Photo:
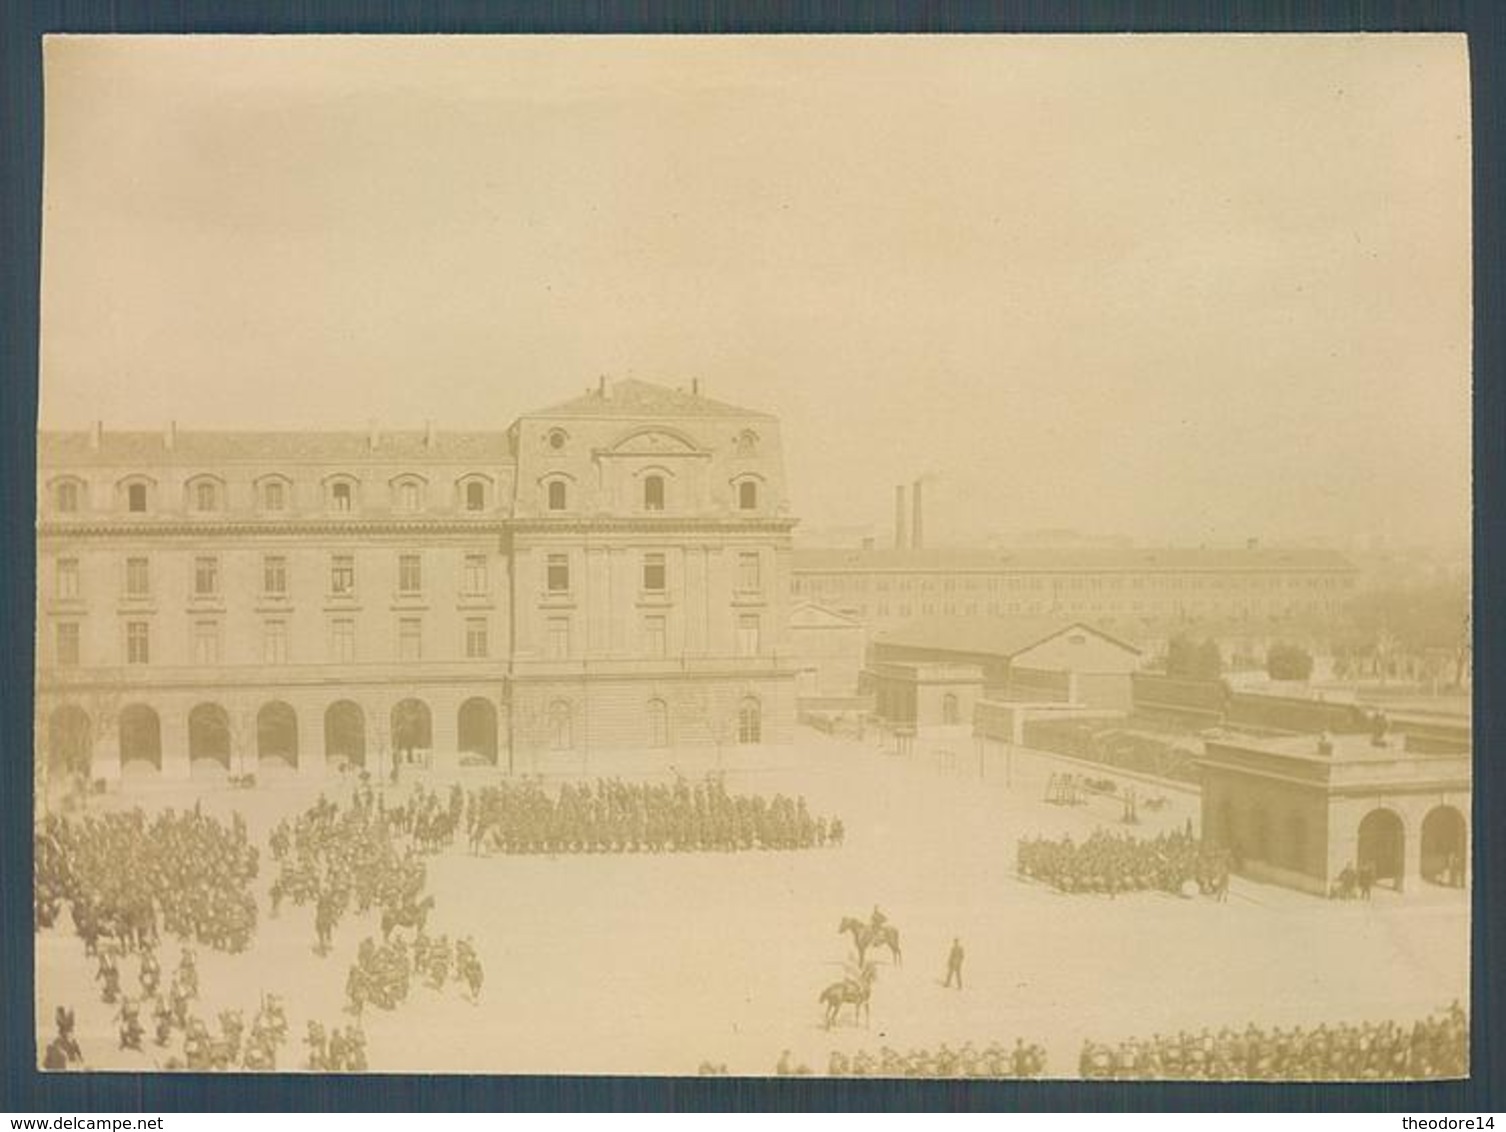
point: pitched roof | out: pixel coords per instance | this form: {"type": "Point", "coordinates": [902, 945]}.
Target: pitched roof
{"type": "Point", "coordinates": [991, 636]}
{"type": "Point", "coordinates": [633, 398]}
{"type": "Point", "coordinates": [210, 447]}
{"type": "Point", "coordinates": [1086, 560]}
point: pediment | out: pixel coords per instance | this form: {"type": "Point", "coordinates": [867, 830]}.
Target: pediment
{"type": "Point", "coordinates": [654, 442]}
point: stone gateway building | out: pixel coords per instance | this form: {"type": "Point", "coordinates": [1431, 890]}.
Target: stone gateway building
{"type": "Point", "coordinates": [609, 573]}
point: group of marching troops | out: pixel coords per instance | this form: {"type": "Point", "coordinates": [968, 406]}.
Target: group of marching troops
{"type": "Point", "coordinates": [383, 973]}
{"type": "Point", "coordinates": [994, 1061]}
{"type": "Point", "coordinates": [613, 816]}
{"type": "Point", "coordinates": [1114, 863]}
{"type": "Point", "coordinates": [341, 1050]}
{"type": "Point", "coordinates": [343, 859]}
{"type": "Point", "coordinates": [1437, 1046]}
{"type": "Point", "coordinates": [127, 878]}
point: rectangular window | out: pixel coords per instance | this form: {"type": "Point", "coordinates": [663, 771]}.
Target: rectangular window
{"type": "Point", "coordinates": [67, 578]}
{"type": "Point", "coordinates": [274, 575]}
{"type": "Point", "coordinates": [138, 642]}
{"type": "Point", "coordinates": [477, 645]}
{"type": "Point", "coordinates": [274, 496]}
{"type": "Point", "coordinates": [204, 498]}
{"type": "Point", "coordinates": [206, 577]}
{"type": "Point", "coordinates": [343, 639]}
{"type": "Point", "coordinates": [655, 642]}
{"type": "Point", "coordinates": [559, 573]}
{"type": "Point", "coordinates": [206, 642]}
{"type": "Point", "coordinates": [68, 497]}
{"type": "Point", "coordinates": [342, 574]}
{"type": "Point", "coordinates": [748, 643]}
{"type": "Point", "coordinates": [475, 580]}
{"type": "Point", "coordinates": [410, 638]}
{"type": "Point", "coordinates": [653, 573]}
{"type": "Point", "coordinates": [748, 575]}
{"type": "Point", "coordinates": [274, 642]}
{"type": "Point", "coordinates": [559, 638]}
{"type": "Point", "coordinates": [410, 578]}
{"type": "Point", "coordinates": [67, 643]}
{"type": "Point", "coordinates": [138, 580]}
{"type": "Point", "coordinates": [136, 497]}
{"type": "Point", "coordinates": [407, 496]}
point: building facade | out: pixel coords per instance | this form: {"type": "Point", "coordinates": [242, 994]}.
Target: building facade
{"type": "Point", "coordinates": [609, 573]}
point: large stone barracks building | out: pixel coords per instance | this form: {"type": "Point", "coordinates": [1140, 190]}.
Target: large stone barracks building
{"type": "Point", "coordinates": [609, 573]}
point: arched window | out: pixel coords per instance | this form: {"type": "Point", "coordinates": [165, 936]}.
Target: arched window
{"type": "Point", "coordinates": [67, 496]}
{"type": "Point", "coordinates": [136, 497]}
{"type": "Point", "coordinates": [653, 493]}
{"type": "Point", "coordinates": [556, 495]}
{"type": "Point", "coordinates": [475, 496]}
{"type": "Point", "coordinates": [341, 496]}
{"type": "Point", "coordinates": [408, 494]}
{"type": "Point", "coordinates": [559, 726]}
{"type": "Point", "coordinates": [747, 495]}
{"type": "Point", "coordinates": [750, 721]}
{"type": "Point", "coordinates": [204, 495]}
{"type": "Point", "coordinates": [658, 723]}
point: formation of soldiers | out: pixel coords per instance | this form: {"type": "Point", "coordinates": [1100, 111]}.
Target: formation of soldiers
{"type": "Point", "coordinates": [343, 859]}
{"type": "Point", "coordinates": [384, 973]}
{"type": "Point", "coordinates": [613, 816]}
{"type": "Point", "coordinates": [1113, 863]}
{"type": "Point", "coordinates": [341, 1050]}
{"type": "Point", "coordinates": [1437, 1046]}
{"type": "Point", "coordinates": [993, 1061]}
{"type": "Point", "coordinates": [126, 878]}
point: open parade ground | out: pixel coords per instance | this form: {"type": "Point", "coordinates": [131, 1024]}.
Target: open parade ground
{"type": "Point", "coordinates": [643, 963]}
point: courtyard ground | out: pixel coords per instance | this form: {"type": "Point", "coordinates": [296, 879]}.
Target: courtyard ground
{"type": "Point", "coordinates": [645, 964]}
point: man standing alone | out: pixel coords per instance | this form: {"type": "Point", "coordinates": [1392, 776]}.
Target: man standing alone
{"type": "Point", "coordinates": [954, 964]}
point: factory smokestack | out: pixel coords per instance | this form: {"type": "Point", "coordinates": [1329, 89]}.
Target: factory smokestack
{"type": "Point", "coordinates": [917, 524]}
{"type": "Point", "coordinates": [899, 517]}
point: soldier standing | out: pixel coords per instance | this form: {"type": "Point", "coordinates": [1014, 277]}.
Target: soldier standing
{"type": "Point", "coordinates": [954, 963]}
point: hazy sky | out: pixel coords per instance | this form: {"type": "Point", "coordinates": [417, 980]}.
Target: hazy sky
{"type": "Point", "coordinates": [1182, 288]}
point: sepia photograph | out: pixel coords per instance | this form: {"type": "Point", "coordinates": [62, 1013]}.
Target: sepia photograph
{"type": "Point", "coordinates": [852, 556]}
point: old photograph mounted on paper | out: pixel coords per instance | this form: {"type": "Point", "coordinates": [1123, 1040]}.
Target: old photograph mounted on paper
{"type": "Point", "coordinates": [853, 556]}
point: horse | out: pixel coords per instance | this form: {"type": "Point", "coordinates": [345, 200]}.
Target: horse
{"type": "Point", "coordinates": [849, 991]}
{"type": "Point", "coordinates": [865, 935]}
{"type": "Point", "coordinates": [414, 914]}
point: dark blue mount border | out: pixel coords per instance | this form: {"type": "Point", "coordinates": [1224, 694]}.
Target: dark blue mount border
{"type": "Point", "coordinates": [21, 28]}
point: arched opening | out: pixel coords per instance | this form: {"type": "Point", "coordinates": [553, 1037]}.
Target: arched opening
{"type": "Point", "coordinates": [653, 493]}
{"type": "Point", "coordinates": [345, 734]}
{"type": "Point", "coordinates": [140, 740]}
{"type": "Point", "coordinates": [476, 727]}
{"type": "Point", "coordinates": [747, 495]}
{"type": "Point", "coordinates": [556, 495]}
{"type": "Point", "coordinates": [412, 730]}
{"type": "Point", "coordinates": [750, 721]}
{"type": "Point", "coordinates": [277, 736]}
{"type": "Point", "coordinates": [1382, 847]}
{"type": "Point", "coordinates": [1443, 847]}
{"type": "Point", "coordinates": [560, 738]}
{"type": "Point", "coordinates": [70, 743]}
{"type": "Point", "coordinates": [658, 723]}
{"type": "Point", "coordinates": [950, 714]}
{"type": "Point", "coordinates": [208, 739]}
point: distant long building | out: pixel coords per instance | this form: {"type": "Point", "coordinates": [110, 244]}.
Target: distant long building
{"type": "Point", "coordinates": [1144, 591]}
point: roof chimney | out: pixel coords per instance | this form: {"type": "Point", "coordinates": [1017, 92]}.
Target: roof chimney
{"type": "Point", "coordinates": [170, 437]}
{"type": "Point", "coordinates": [917, 524]}
{"type": "Point", "coordinates": [372, 435]}
{"type": "Point", "coordinates": [96, 432]}
{"type": "Point", "coordinates": [428, 434]}
{"type": "Point", "coordinates": [899, 517]}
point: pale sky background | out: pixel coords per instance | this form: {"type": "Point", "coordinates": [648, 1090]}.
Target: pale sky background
{"type": "Point", "coordinates": [1185, 289]}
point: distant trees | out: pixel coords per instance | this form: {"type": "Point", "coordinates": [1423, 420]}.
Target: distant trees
{"type": "Point", "coordinates": [1187, 659]}
{"type": "Point", "coordinates": [1285, 661]}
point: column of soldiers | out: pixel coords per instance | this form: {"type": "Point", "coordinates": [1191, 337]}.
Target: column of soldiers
{"type": "Point", "coordinates": [993, 1061]}
{"type": "Point", "coordinates": [1113, 863]}
{"type": "Point", "coordinates": [613, 816]}
{"type": "Point", "coordinates": [1437, 1046]}
{"type": "Point", "coordinates": [384, 973]}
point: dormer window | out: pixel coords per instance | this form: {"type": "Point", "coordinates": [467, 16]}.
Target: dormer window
{"type": "Point", "coordinates": [747, 495]}
{"type": "Point", "coordinates": [556, 495]}
{"type": "Point", "coordinates": [653, 493]}
{"type": "Point", "coordinates": [68, 496]}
